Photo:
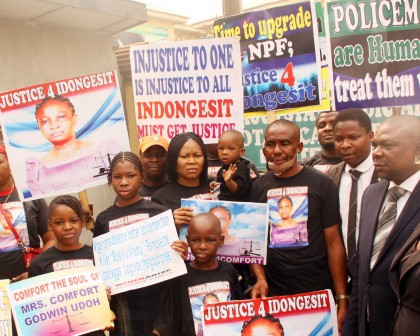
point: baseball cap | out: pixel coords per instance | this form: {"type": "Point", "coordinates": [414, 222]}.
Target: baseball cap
{"type": "Point", "coordinates": [152, 140]}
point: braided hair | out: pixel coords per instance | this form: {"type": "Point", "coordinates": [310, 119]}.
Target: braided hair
{"type": "Point", "coordinates": [58, 98]}
{"type": "Point", "coordinates": [69, 201]}
{"type": "Point", "coordinates": [175, 146]}
{"type": "Point", "coordinates": [268, 317]}
{"type": "Point", "coordinates": [286, 198]}
{"type": "Point", "coordinates": [121, 157]}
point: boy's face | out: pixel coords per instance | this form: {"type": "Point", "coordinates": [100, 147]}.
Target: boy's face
{"type": "Point", "coordinates": [204, 238]}
{"type": "Point", "coordinates": [230, 148]}
{"type": "Point", "coordinates": [67, 227]}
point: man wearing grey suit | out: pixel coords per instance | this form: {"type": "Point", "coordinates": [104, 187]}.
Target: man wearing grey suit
{"type": "Point", "coordinates": [390, 211]}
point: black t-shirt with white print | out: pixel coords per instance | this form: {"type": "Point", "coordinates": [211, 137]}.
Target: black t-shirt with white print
{"type": "Point", "coordinates": [108, 219]}
{"type": "Point", "coordinates": [53, 260]}
{"type": "Point", "coordinates": [303, 267]}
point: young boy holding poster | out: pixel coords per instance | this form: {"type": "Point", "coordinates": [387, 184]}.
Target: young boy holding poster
{"type": "Point", "coordinates": [135, 309]}
{"type": "Point", "coordinates": [207, 277]}
{"type": "Point", "coordinates": [66, 220]}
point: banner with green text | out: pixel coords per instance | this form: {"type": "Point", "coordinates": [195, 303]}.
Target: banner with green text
{"type": "Point", "coordinates": [375, 51]}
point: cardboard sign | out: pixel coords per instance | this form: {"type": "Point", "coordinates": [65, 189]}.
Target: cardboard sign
{"type": "Point", "coordinates": [68, 302]}
{"type": "Point", "coordinates": [138, 254]}
{"type": "Point", "coordinates": [310, 313]}
{"type": "Point", "coordinates": [61, 136]}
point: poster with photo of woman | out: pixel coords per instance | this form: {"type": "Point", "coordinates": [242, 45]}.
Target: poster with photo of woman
{"type": "Point", "coordinates": [61, 136]}
{"type": "Point", "coordinates": [244, 228]}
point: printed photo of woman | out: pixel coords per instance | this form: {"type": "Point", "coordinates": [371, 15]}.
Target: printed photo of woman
{"type": "Point", "coordinates": [82, 160]}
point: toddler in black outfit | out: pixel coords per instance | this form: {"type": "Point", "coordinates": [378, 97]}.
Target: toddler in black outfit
{"type": "Point", "coordinates": [234, 175]}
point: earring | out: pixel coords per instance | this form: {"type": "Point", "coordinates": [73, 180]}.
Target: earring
{"type": "Point", "coordinates": [417, 160]}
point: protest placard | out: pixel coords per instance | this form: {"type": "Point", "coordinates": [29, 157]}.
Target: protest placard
{"type": "Point", "coordinates": [310, 313]}
{"type": "Point", "coordinates": [375, 53]}
{"type": "Point", "coordinates": [67, 302]}
{"type": "Point", "coordinates": [5, 311]}
{"type": "Point", "coordinates": [137, 252]}
{"type": "Point", "coordinates": [61, 136]}
{"type": "Point", "coordinates": [244, 226]}
{"type": "Point", "coordinates": [189, 86]}
{"type": "Point", "coordinates": [280, 56]}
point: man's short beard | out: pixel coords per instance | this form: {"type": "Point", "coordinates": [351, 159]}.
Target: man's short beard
{"type": "Point", "coordinates": [328, 146]}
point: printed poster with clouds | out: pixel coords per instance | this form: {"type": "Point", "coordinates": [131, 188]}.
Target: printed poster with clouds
{"type": "Point", "coordinates": [244, 226]}
{"type": "Point", "coordinates": [61, 136]}
{"type": "Point", "coordinates": [288, 208]}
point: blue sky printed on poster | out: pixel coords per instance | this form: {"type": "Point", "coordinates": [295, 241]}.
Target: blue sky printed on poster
{"type": "Point", "coordinates": [248, 228]}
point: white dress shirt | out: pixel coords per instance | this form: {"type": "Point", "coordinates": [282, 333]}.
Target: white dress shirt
{"type": "Point", "coordinates": [409, 185]}
{"type": "Point", "coordinates": [366, 168]}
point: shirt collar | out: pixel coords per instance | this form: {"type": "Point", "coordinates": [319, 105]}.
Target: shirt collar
{"type": "Point", "coordinates": [409, 184]}
{"type": "Point", "coordinates": [363, 167]}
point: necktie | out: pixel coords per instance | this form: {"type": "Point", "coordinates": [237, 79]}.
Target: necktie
{"type": "Point", "coordinates": [386, 222]}
{"type": "Point", "coordinates": [351, 227]}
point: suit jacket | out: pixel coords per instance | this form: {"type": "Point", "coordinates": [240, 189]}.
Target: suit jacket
{"type": "Point", "coordinates": [373, 286]}
{"type": "Point", "coordinates": [407, 318]}
{"type": "Point", "coordinates": [336, 171]}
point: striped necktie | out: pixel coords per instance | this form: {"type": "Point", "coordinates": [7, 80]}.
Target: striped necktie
{"type": "Point", "coordinates": [352, 219]}
{"type": "Point", "coordinates": [386, 222]}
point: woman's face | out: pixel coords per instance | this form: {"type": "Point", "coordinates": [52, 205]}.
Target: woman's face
{"type": "Point", "coordinates": [4, 169]}
{"type": "Point", "coordinates": [224, 218]}
{"type": "Point", "coordinates": [56, 122]}
{"type": "Point", "coordinates": [285, 208]}
{"type": "Point", "coordinates": [190, 164]}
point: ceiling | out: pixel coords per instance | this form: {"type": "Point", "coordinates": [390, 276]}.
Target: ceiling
{"type": "Point", "coordinates": [108, 16]}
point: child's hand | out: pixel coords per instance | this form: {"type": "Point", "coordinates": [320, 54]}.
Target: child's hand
{"type": "Point", "coordinates": [213, 185]}
{"type": "Point", "coordinates": [227, 174]}
{"type": "Point", "coordinates": [183, 216]}
{"type": "Point", "coordinates": [181, 247]}
{"type": "Point", "coordinates": [20, 277]}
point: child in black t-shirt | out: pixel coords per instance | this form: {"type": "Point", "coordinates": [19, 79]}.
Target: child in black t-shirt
{"type": "Point", "coordinates": [234, 175]}
{"type": "Point", "coordinates": [66, 220]}
{"type": "Point", "coordinates": [207, 280]}
{"type": "Point", "coordinates": [136, 309]}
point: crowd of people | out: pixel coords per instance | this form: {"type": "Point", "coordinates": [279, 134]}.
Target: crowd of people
{"type": "Point", "coordinates": [360, 237]}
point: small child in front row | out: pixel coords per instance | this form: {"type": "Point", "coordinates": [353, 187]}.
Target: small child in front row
{"type": "Point", "coordinates": [66, 220]}
{"type": "Point", "coordinates": [207, 280]}
{"type": "Point", "coordinates": [234, 175]}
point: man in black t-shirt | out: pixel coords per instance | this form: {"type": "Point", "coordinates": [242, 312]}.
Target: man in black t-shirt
{"type": "Point", "coordinates": [328, 156]}
{"type": "Point", "coordinates": [314, 256]}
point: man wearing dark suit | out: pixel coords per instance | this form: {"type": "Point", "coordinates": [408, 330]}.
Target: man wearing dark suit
{"type": "Point", "coordinates": [390, 211]}
{"type": "Point", "coordinates": [352, 134]}
{"type": "Point", "coordinates": [405, 279]}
